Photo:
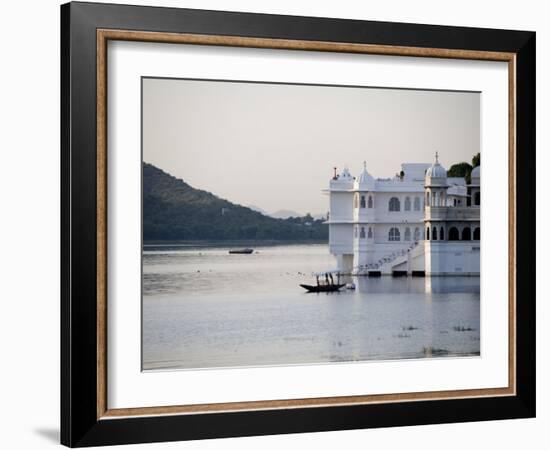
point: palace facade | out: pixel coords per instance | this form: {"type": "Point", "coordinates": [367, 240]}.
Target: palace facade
{"type": "Point", "coordinates": [419, 222]}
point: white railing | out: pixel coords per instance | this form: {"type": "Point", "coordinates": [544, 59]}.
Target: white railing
{"type": "Point", "coordinates": [362, 269]}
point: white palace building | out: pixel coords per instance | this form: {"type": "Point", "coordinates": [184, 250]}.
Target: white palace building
{"type": "Point", "coordinates": [420, 222]}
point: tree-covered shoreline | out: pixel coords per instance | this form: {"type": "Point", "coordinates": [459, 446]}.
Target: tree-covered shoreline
{"type": "Point", "coordinates": [175, 211]}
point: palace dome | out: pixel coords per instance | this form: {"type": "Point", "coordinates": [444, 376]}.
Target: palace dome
{"type": "Point", "coordinates": [436, 170]}
{"type": "Point", "coordinates": [365, 180]}
{"type": "Point", "coordinates": [476, 173]}
{"type": "Point", "coordinates": [345, 175]}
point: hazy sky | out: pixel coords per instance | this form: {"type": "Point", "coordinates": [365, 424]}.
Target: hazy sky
{"type": "Point", "coordinates": [274, 146]}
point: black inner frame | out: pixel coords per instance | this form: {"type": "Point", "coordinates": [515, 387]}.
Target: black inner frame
{"type": "Point", "coordinates": [79, 423]}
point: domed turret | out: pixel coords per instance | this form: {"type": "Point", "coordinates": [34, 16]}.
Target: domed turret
{"type": "Point", "coordinates": [365, 181]}
{"type": "Point", "coordinates": [436, 174]}
{"type": "Point", "coordinates": [476, 176]}
{"type": "Point", "coordinates": [435, 185]}
{"type": "Point", "coordinates": [345, 175]}
{"type": "Point", "coordinates": [342, 181]}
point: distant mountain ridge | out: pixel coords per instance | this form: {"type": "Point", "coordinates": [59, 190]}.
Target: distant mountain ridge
{"type": "Point", "coordinates": [174, 210]}
{"type": "Point", "coordinates": [284, 213]}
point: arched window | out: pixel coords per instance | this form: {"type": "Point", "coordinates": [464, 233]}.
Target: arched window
{"type": "Point", "coordinates": [370, 233]}
{"type": "Point", "coordinates": [407, 234]}
{"type": "Point", "coordinates": [370, 201]}
{"type": "Point", "coordinates": [407, 203]}
{"type": "Point", "coordinates": [466, 234]}
{"type": "Point", "coordinates": [417, 203]}
{"type": "Point", "coordinates": [362, 234]}
{"type": "Point", "coordinates": [394, 234]}
{"type": "Point", "coordinates": [434, 234]}
{"type": "Point", "coordinates": [436, 198]}
{"type": "Point", "coordinates": [441, 234]}
{"type": "Point", "coordinates": [453, 234]}
{"type": "Point", "coordinates": [362, 201]}
{"type": "Point", "coordinates": [477, 233]}
{"type": "Point", "coordinates": [477, 198]}
{"type": "Point", "coordinates": [356, 230]}
{"type": "Point", "coordinates": [427, 199]}
{"type": "Point", "coordinates": [356, 201]}
{"type": "Point", "coordinates": [394, 204]}
{"type": "Point", "coordinates": [416, 234]}
{"type": "Point", "coordinates": [428, 233]}
{"type": "Point", "coordinates": [454, 201]}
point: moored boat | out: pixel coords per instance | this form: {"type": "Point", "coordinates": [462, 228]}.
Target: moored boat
{"type": "Point", "coordinates": [326, 285]}
{"type": "Point", "coordinates": [242, 251]}
{"type": "Point", "coordinates": [322, 287]}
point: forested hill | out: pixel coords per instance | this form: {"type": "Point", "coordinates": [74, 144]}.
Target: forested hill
{"type": "Point", "coordinates": [173, 210]}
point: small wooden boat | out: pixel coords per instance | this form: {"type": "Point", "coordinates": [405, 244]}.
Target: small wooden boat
{"type": "Point", "coordinates": [323, 287]}
{"type": "Point", "coordinates": [326, 285]}
{"type": "Point", "coordinates": [242, 251]}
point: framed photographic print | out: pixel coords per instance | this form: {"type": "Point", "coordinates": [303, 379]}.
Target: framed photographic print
{"type": "Point", "coordinates": [276, 224]}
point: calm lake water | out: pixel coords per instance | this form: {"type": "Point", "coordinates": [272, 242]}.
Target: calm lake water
{"type": "Point", "coordinates": [204, 308]}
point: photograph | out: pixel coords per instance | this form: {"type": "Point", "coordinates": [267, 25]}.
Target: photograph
{"type": "Point", "coordinates": [296, 224]}
{"type": "Point", "coordinates": [270, 226]}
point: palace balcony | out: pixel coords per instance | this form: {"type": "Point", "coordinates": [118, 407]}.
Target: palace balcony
{"type": "Point", "coordinates": [450, 213]}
